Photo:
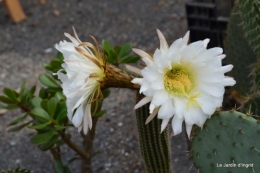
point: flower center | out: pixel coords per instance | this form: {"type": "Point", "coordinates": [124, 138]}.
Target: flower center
{"type": "Point", "coordinates": [180, 80]}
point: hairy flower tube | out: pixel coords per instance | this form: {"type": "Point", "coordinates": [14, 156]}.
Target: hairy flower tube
{"type": "Point", "coordinates": [82, 75]}
{"type": "Point", "coordinates": [183, 81]}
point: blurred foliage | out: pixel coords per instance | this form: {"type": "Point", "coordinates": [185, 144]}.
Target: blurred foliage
{"type": "Point", "coordinates": [119, 54]}
{"type": "Point", "coordinates": [17, 170]}
{"type": "Point", "coordinates": [46, 111]}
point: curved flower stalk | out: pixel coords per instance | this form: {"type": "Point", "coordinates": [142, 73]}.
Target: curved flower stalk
{"type": "Point", "coordinates": [183, 82]}
{"type": "Point", "coordinates": [81, 77]}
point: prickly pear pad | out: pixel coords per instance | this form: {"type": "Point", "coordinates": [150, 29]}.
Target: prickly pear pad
{"type": "Point", "coordinates": [228, 143]}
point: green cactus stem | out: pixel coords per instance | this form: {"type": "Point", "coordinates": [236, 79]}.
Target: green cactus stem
{"type": "Point", "coordinates": [154, 145]}
{"type": "Point", "coordinates": [239, 53]}
{"type": "Point", "coordinates": [249, 11]}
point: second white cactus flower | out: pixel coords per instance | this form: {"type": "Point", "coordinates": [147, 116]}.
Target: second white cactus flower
{"type": "Point", "coordinates": [84, 70]}
{"type": "Point", "coordinates": [183, 82]}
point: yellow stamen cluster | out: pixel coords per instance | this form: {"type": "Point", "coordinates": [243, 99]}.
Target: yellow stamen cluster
{"type": "Point", "coordinates": [181, 81]}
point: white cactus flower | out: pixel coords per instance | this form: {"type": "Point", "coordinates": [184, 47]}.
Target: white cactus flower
{"type": "Point", "coordinates": [84, 72]}
{"type": "Point", "coordinates": [183, 81]}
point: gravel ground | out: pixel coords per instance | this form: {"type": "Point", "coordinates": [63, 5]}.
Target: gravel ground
{"type": "Point", "coordinates": [25, 46]}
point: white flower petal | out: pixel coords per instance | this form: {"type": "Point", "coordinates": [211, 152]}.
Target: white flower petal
{"type": "Point", "coordinates": [85, 125]}
{"type": "Point", "coordinates": [160, 97]}
{"type": "Point", "coordinates": [79, 128]}
{"type": "Point", "coordinates": [188, 129]}
{"type": "Point", "coordinates": [159, 59]}
{"type": "Point", "coordinates": [228, 81]}
{"type": "Point", "coordinates": [226, 68]}
{"type": "Point", "coordinates": [166, 111]}
{"type": "Point", "coordinates": [152, 115]}
{"type": "Point", "coordinates": [208, 103]}
{"type": "Point", "coordinates": [210, 77]}
{"type": "Point", "coordinates": [176, 125]}
{"type": "Point", "coordinates": [138, 81]}
{"type": "Point", "coordinates": [202, 120]}
{"type": "Point", "coordinates": [151, 107]}
{"type": "Point", "coordinates": [214, 89]}
{"type": "Point", "coordinates": [173, 57]}
{"type": "Point", "coordinates": [142, 102]}
{"type": "Point", "coordinates": [221, 57]}
{"type": "Point", "coordinates": [78, 116]}
{"type": "Point", "coordinates": [133, 69]}
{"type": "Point", "coordinates": [72, 39]}
{"type": "Point", "coordinates": [88, 119]}
{"type": "Point", "coordinates": [176, 45]}
{"type": "Point", "coordinates": [180, 107]}
{"type": "Point", "coordinates": [206, 42]}
{"type": "Point", "coordinates": [147, 61]}
{"type": "Point", "coordinates": [144, 87]}
{"type": "Point", "coordinates": [143, 54]}
{"type": "Point", "coordinates": [150, 73]}
{"type": "Point", "coordinates": [163, 42]}
{"type": "Point", "coordinates": [164, 124]}
{"type": "Point", "coordinates": [216, 51]}
{"type": "Point", "coordinates": [186, 38]}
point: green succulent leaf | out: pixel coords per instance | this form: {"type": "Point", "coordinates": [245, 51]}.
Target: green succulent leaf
{"type": "Point", "coordinates": [100, 114]}
{"type": "Point", "coordinates": [59, 96]}
{"type": "Point", "coordinates": [17, 120]}
{"type": "Point", "coordinates": [6, 100]}
{"type": "Point", "coordinates": [130, 59]}
{"type": "Point", "coordinates": [19, 127]}
{"type": "Point", "coordinates": [59, 168]}
{"type": "Point", "coordinates": [117, 50]}
{"type": "Point", "coordinates": [48, 81]}
{"type": "Point", "coordinates": [43, 93]}
{"type": "Point", "coordinates": [52, 105]}
{"type": "Point", "coordinates": [44, 104]}
{"type": "Point", "coordinates": [59, 56]}
{"type": "Point", "coordinates": [49, 144]}
{"type": "Point", "coordinates": [125, 50]}
{"type": "Point", "coordinates": [11, 94]}
{"type": "Point", "coordinates": [36, 102]}
{"type": "Point", "coordinates": [106, 45]}
{"type": "Point", "coordinates": [59, 127]}
{"type": "Point", "coordinates": [62, 116]}
{"type": "Point", "coordinates": [40, 126]}
{"type": "Point", "coordinates": [112, 57]}
{"type": "Point", "coordinates": [41, 114]}
{"type": "Point", "coordinates": [23, 87]}
{"type": "Point", "coordinates": [32, 90]}
{"type": "Point", "coordinates": [8, 106]}
{"type": "Point", "coordinates": [42, 137]}
{"type": "Point", "coordinates": [106, 93]}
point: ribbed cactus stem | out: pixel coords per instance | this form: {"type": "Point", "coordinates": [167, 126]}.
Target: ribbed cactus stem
{"type": "Point", "coordinates": [239, 52]}
{"type": "Point", "coordinates": [154, 145]}
{"type": "Point", "coordinates": [249, 11]}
